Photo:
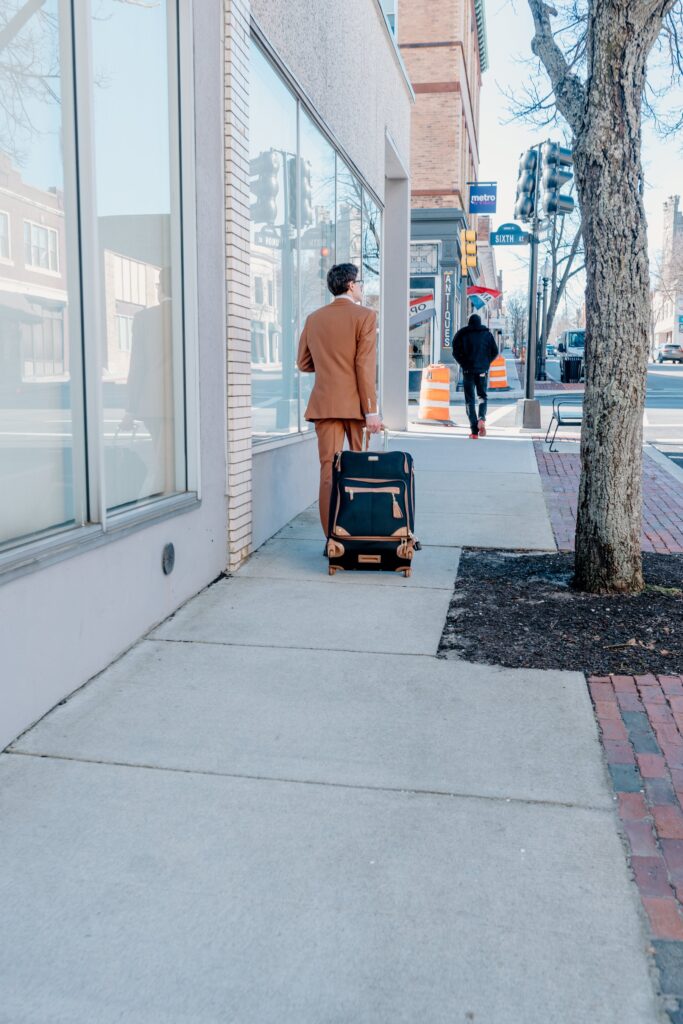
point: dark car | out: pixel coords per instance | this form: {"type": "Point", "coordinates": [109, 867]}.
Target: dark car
{"type": "Point", "coordinates": [674, 352]}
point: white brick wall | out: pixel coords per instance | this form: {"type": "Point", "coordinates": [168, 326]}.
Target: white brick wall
{"type": "Point", "coordinates": [238, 337]}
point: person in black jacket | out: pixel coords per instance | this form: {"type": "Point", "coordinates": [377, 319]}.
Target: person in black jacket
{"type": "Point", "coordinates": [474, 349]}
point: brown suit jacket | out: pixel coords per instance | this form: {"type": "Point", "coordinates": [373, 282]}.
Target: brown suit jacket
{"type": "Point", "coordinates": [339, 344]}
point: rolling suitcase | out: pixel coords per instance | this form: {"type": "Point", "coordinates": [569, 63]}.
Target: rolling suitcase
{"type": "Point", "coordinates": [372, 511]}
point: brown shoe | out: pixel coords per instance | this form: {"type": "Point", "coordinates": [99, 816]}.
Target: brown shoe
{"type": "Point", "coordinates": [482, 428]}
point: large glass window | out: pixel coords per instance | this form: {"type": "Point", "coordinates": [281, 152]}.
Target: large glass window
{"type": "Point", "coordinates": [41, 426]}
{"type": "Point", "coordinates": [372, 236]}
{"type": "Point", "coordinates": [55, 380]}
{"type": "Point", "coordinates": [317, 238]}
{"type": "Point", "coordinates": [349, 207]}
{"type": "Point", "coordinates": [308, 211]}
{"type": "Point", "coordinates": [273, 170]}
{"type": "Point", "coordinates": [136, 160]}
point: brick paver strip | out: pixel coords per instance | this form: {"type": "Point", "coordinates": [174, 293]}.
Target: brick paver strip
{"type": "Point", "coordinates": [662, 503]}
{"type": "Point", "coordinates": [649, 790]}
{"type": "Point", "coordinates": [546, 385]}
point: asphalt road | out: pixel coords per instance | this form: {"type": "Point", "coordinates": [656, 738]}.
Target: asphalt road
{"type": "Point", "coordinates": [663, 417]}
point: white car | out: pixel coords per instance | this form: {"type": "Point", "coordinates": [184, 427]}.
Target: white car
{"type": "Point", "coordinates": [674, 352]}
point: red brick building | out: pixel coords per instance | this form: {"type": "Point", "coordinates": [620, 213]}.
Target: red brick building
{"type": "Point", "coordinates": [443, 44]}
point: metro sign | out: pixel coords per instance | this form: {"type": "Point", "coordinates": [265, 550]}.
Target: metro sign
{"type": "Point", "coordinates": [483, 197]}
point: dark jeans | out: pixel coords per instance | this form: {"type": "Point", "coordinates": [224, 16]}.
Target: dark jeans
{"type": "Point", "coordinates": [472, 382]}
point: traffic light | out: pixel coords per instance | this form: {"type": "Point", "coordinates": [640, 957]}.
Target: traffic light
{"type": "Point", "coordinates": [264, 169]}
{"type": "Point", "coordinates": [555, 160]}
{"type": "Point", "coordinates": [468, 250]}
{"type": "Point", "coordinates": [305, 191]}
{"type": "Point", "coordinates": [525, 199]}
{"type": "Point", "coordinates": [324, 261]}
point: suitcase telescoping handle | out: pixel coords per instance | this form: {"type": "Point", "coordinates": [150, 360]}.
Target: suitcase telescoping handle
{"type": "Point", "coordinates": [366, 439]}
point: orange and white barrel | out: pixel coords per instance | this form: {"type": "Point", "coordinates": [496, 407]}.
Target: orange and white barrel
{"type": "Point", "coordinates": [498, 377]}
{"type": "Point", "coordinates": [435, 392]}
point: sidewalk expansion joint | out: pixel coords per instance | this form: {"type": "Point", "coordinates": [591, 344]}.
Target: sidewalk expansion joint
{"type": "Point", "coordinates": [406, 791]}
{"type": "Point", "coordinates": [287, 647]}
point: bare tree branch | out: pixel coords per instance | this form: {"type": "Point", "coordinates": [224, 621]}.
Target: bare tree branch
{"type": "Point", "coordinates": [569, 91]}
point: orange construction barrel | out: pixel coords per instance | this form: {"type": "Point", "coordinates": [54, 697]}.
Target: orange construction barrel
{"type": "Point", "coordinates": [498, 377]}
{"type": "Point", "coordinates": [435, 393]}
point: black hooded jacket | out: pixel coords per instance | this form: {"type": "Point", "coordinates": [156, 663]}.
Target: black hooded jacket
{"type": "Point", "coordinates": [474, 346]}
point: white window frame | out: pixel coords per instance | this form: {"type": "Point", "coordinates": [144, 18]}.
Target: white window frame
{"type": "Point", "coordinates": [8, 258]}
{"type": "Point", "coordinates": [49, 231]}
{"type": "Point", "coordinates": [93, 525]}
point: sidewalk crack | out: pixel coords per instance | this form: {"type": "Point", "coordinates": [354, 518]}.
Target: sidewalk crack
{"type": "Point", "coordinates": [406, 791]}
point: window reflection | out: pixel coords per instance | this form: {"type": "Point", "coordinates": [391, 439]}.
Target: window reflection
{"type": "Point", "coordinates": [308, 211]}
{"type": "Point", "coordinates": [273, 171]}
{"type": "Point", "coordinates": [372, 234]}
{"type": "Point", "coordinates": [349, 204]}
{"type": "Point", "coordinates": [317, 238]}
{"type": "Point", "coordinates": [137, 173]}
{"type": "Point", "coordinates": [41, 436]}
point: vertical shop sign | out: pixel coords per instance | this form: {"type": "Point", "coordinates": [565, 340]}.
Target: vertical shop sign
{"type": "Point", "coordinates": [448, 295]}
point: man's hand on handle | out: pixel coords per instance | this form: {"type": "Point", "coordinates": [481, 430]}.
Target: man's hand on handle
{"type": "Point", "coordinates": [373, 423]}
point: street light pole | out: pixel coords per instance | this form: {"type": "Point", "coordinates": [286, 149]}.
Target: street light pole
{"type": "Point", "coordinates": [528, 408]}
{"type": "Point", "coordinates": [543, 375]}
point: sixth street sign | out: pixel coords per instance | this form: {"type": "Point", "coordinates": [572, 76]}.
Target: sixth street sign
{"type": "Point", "coordinates": [510, 234]}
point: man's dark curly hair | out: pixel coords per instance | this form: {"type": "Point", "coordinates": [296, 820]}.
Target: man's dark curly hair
{"type": "Point", "coordinates": [340, 276]}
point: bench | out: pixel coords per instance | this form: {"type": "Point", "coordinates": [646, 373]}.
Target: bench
{"type": "Point", "coordinates": [570, 416]}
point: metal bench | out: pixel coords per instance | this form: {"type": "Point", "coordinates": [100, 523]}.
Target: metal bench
{"type": "Point", "coordinates": [572, 416]}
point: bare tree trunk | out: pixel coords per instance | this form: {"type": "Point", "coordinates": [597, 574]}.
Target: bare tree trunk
{"type": "Point", "coordinates": [607, 159]}
{"type": "Point", "coordinates": [604, 114]}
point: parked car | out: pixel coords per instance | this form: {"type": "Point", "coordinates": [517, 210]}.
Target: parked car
{"type": "Point", "coordinates": [550, 350]}
{"type": "Point", "coordinates": [674, 352]}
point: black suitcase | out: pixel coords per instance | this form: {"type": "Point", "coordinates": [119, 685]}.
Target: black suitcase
{"type": "Point", "coordinates": [372, 512]}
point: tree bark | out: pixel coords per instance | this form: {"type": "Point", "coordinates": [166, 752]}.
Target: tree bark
{"type": "Point", "coordinates": [605, 117]}
{"type": "Point", "coordinates": [607, 160]}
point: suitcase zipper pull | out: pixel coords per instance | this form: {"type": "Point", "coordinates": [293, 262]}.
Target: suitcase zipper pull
{"type": "Point", "coordinates": [396, 508]}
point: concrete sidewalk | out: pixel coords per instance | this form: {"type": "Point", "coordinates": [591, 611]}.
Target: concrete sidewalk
{"type": "Point", "coordinates": [282, 808]}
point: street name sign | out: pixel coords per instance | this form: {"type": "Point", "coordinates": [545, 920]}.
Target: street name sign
{"type": "Point", "coordinates": [510, 234]}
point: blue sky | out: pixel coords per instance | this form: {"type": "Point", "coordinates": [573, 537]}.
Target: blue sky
{"type": "Point", "coordinates": [131, 112]}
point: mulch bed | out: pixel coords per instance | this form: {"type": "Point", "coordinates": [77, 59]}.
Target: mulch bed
{"type": "Point", "coordinates": [520, 611]}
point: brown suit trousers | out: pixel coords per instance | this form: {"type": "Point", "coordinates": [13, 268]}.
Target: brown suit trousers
{"type": "Point", "coordinates": [330, 441]}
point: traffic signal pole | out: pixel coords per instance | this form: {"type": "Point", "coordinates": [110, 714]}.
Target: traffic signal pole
{"type": "Point", "coordinates": [528, 408]}
{"type": "Point", "coordinates": [544, 164]}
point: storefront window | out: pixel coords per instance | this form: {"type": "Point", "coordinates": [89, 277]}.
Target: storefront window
{"type": "Point", "coordinates": [372, 234]}
{"type": "Point", "coordinates": [274, 320]}
{"type": "Point", "coordinates": [61, 383]}
{"type": "Point", "coordinates": [317, 236]}
{"type": "Point", "coordinates": [308, 211]}
{"type": "Point", "coordinates": [349, 204]}
{"type": "Point", "coordinates": [42, 469]}
{"type": "Point", "coordinates": [137, 173]}
{"type": "Point", "coordinates": [371, 265]}
{"type": "Point", "coordinates": [422, 326]}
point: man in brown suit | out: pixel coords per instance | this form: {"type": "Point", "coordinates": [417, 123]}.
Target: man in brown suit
{"type": "Point", "coordinates": [339, 344]}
